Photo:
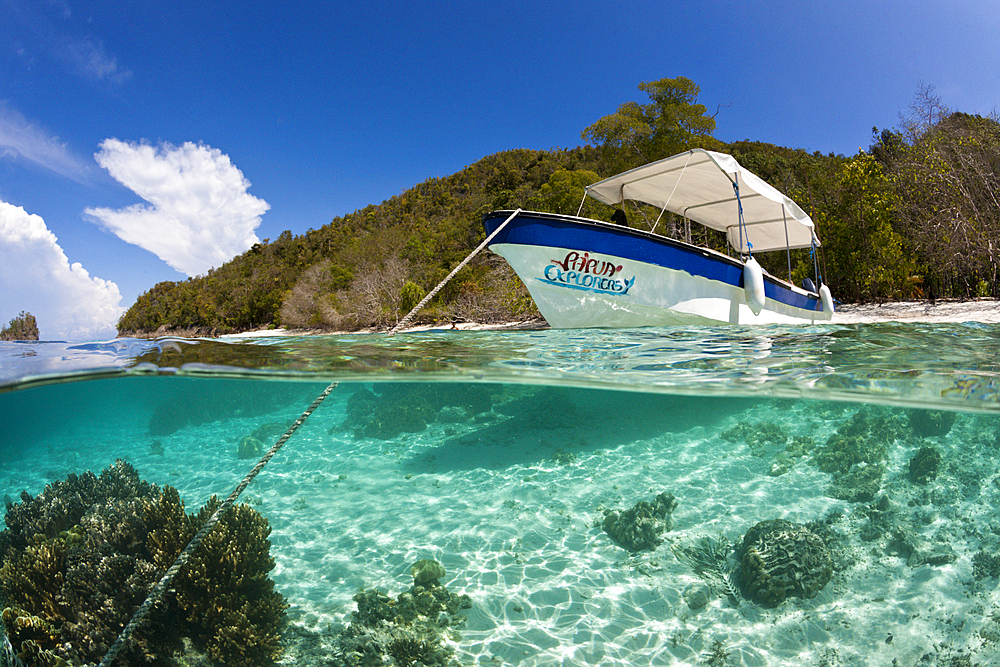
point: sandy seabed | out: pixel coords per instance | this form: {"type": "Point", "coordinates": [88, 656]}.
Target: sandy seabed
{"type": "Point", "coordinates": [512, 511]}
{"type": "Point", "coordinates": [511, 508]}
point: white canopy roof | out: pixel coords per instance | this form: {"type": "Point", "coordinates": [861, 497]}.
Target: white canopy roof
{"type": "Point", "coordinates": [698, 185]}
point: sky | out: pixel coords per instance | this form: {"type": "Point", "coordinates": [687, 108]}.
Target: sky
{"type": "Point", "coordinates": [150, 140]}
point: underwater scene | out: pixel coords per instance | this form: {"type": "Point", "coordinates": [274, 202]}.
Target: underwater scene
{"type": "Point", "coordinates": [814, 496]}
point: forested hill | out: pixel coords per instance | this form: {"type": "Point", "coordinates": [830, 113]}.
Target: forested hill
{"type": "Point", "coordinates": [916, 215]}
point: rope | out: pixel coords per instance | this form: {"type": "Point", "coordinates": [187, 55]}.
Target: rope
{"type": "Point", "coordinates": [8, 658]}
{"type": "Point", "coordinates": [156, 595]}
{"type": "Point", "coordinates": [403, 322]}
{"type": "Point", "coordinates": [676, 183]}
{"type": "Point", "coordinates": [739, 204]}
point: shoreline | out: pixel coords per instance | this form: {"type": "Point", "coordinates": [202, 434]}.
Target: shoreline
{"type": "Point", "coordinates": [984, 311]}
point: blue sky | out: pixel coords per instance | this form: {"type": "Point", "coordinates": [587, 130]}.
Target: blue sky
{"type": "Point", "coordinates": [148, 140]}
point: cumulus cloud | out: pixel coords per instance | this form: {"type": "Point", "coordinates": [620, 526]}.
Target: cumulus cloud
{"type": "Point", "coordinates": [37, 277]}
{"type": "Point", "coordinates": [199, 213]}
{"type": "Point", "coordinates": [20, 138]}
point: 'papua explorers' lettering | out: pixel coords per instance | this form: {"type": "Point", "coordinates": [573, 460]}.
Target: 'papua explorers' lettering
{"type": "Point", "coordinates": [574, 261]}
{"type": "Point", "coordinates": [584, 272]}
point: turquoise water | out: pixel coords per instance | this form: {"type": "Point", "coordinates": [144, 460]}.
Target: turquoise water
{"type": "Point", "coordinates": [501, 455]}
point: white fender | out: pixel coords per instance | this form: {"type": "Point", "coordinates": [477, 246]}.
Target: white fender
{"type": "Point", "coordinates": [753, 285]}
{"type": "Point", "coordinates": [826, 298]}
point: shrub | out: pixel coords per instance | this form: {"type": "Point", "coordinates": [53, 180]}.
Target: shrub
{"type": "Point", "coordinates": [22, 327]}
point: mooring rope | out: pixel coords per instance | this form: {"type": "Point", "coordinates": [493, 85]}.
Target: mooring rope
{"type": "Point", "coordinates": [403, 322]}
{"type": "Point", "coordinates": [158, 591]}
{"type": "Point", "coordinates": [8, 657]}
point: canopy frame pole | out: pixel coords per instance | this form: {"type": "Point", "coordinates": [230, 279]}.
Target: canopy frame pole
{"type": "Point", "coordinates": [812, 251]}
{"type": "Point", "coordinates": [676, 183]}
{"type": "Point", "coordinates": [582, 201]}
{"type": "Point", "coordinates": [788, 244]}
{"type": "Point", "coordinates": [739, 205]}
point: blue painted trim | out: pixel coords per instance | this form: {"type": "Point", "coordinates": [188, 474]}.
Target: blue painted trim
{"type": "Point", "coordinates": [583, 235]}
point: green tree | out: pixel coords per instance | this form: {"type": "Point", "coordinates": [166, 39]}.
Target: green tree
{"type": "Point", "coordinates": [22, 327]}
{"type": "Point", "coordinates": [670, 123]}
{"type": "Point", "coordinates": [870, 261]}
{"type": "Point", "coordinates": [949, 187]}
{"type": "Point", "coordinates": [564, 191]}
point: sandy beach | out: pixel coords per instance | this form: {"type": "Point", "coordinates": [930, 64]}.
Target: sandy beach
{"type": "Point", "coordinates": [986, 311]}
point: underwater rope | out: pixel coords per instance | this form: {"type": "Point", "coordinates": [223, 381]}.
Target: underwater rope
{"type": "Point", "coordinates": [156, 594]}
{"type": "Point", "coordinates": [8, 658]}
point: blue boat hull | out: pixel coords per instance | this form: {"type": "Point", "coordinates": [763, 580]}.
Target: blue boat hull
{"type": "Point", "coordinates": [586, 273]}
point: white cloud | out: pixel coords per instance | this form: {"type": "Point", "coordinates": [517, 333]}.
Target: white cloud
{"type": "Point", "coordinates": [199, 215]}
{"type": "Point", "coordinates": [89, 58]}
{"type": "Point", "coordinates": [21, 139]}
{"type": "Point", "coordinates": [67, 302]}
{"type": "Point", "coordinates": [48, 30]}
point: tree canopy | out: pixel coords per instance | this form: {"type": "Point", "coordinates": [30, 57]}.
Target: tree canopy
{"type": "Point", "coordinates": [22, 327]}
{"type": "Point", "coordinates": [670, 123]}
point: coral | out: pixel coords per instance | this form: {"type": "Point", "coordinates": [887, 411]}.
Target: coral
{"type": "Point", "coordinates": [98, 545]}
{"type": "Point", "coordinates": [796, 449]}
{"type": "Point", "coordinates": [640, 527]}
{"type": "Point", "coordinates": [408, 630]}
{"type": "Point", "coordinates": [778, 559]}
{"type": "Point", "coordinates": [62, 504]}
{"type": "Point", "coordinates": [224, 594]}
{"type": "Point", "coordinates": [398, 408]}
{"type": "Point", "coordinates": [855, 455]}
{"type": "Point", "coordinates": [427, 571]}
{"type": "Point", "coordinates": [249, 447]}
{"type": "Point", "coordinates": [985, 565]}
{"type": "Point", "coordinates": [864, 438]}
{"type": "Point", "coordinates": [253, 444]}
{"type": "Point", "coordinates": [930, 423]}
{"type": "Point", "coordinates": [860, 484]}
{"type": "Point", "coordinates": [760, 436]}
{"type": "Point", "coordinates": [924, 465]}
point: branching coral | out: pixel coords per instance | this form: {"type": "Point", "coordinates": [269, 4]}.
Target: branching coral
{"type": "Point", "coordinates": [82, 556]}
{"type": "Point", "coordinates": [408, 630]}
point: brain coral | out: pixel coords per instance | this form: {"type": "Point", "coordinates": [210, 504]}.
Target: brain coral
{"type": "Point", "coordinates": [426, 570]}
{"type": "Point", "coordinates": [778, 559]}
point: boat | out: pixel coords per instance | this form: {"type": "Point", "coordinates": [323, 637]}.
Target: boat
{"type": "Point", "coordinates": [586, 273]}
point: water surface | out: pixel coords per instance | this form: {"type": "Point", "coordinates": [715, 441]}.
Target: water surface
{"type": "Point", "coordinates": [499, 454]}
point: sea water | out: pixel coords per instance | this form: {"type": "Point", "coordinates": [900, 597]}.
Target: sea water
{"type": "Point", "coordinates": [500, 454]}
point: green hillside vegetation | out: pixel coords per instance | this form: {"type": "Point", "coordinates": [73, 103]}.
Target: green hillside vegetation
{"type": "Point", "coordinates": [22, 327]}
{"type": "Point", "coordinates": [916, 215]}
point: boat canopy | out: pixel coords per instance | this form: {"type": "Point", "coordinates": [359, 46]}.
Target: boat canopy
{"type": "Point", "coordinates": [698, 185]}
